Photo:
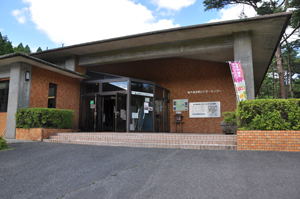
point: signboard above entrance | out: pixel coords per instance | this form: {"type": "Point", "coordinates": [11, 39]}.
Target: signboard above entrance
{"type": "Point", "coordinates": [142, 93]}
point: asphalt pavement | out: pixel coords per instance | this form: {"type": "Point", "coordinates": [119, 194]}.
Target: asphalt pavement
{"type": "Point", "coordinates": [49, 170]}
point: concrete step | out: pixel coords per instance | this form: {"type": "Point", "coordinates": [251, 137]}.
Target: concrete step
{"type": "Point", "coordinates": [143, 140]}
{"type": "Point", "coordinates": [147, 145]}
{"type": "Point", "coordinates": [161, 136]}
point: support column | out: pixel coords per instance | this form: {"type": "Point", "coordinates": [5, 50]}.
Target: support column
{"type": "Point", "coordinates": [70, 63]}
{"type": "Point", "coordinates": [19, 95]}
{"type": "Point", "coordinates": [243, 53]}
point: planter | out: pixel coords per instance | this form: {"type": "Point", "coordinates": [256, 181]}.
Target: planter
{"type": "Point", "coordinates": [37, 134]}
{"type": "Point", "coordinates": [229, 128]}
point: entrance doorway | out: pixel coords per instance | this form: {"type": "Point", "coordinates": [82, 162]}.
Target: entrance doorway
{"type": "Point", "coordinates": [114, 113]}
{"type": "Point", "coordinates": [122, 104]}
{"type": "Point", "coordinates": [108, 112]}
{"type": "Point", "coordinates": [104, 113]}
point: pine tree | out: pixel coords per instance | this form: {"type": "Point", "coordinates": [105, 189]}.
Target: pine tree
{"type": "Point", "coordinates": [27, 50]}
{"type": "Point", "coordinates": [1, 45]}
{"type": "Point", "coordinates": [8, 48]}
{"type": "Point", "coordinates": [39, 50]}
{"type": "Point", "coordinates": [20, 48]}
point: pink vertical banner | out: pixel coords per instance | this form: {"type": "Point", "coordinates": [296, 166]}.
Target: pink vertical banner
{"type": "Point", "coordinates": [239, 80]}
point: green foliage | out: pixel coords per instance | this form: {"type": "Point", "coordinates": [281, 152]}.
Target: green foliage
{"type": "Point", "coordinates": [21, 49]}
{"type": "Point", "coordinates": [27, 50]}
{"type": "Point", "coordinates": [269, 114]}
{"type": "Point", "coordinates": [229, 117]}
{"type": "Point", "coordinates": [5, 45]}
{"type": "Point", "coordinates": [39, 50]}
{"type": "Point", "coordinates": [44, 118]}
{"type": "Point", "coordinates": [3, 144]}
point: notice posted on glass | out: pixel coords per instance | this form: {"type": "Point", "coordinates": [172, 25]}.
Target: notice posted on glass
{"type": "Point", "coordinates": [204, 109]}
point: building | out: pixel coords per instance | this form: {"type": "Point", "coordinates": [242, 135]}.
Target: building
{"type": "Point", "coordinates": [131, 83]}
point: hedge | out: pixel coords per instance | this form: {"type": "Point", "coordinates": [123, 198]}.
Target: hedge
{"type": "Point", "coordinates": [44, 118]}
{"type": "Point", "coordinates": [269, 114]}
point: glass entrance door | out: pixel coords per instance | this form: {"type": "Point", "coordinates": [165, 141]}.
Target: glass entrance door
{"type": "Point", "coordinates": [159, 116]}
{"type": "Point", "coordinates": [108, 113]}
{"type": "Point", "coordinates": [120, 113]}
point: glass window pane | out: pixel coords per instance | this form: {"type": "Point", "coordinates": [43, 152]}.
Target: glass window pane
{"type": "Point", "coordinates": [141, 109]}
{"type": "Point", "coordinates": [52, 96]}
{"type": "Point", "coordinates": [3, 95]}
{"type": "Point", "coordinates": [167, 95]}
{"type": "Point", "coordinates": [114, 86]}
{"type": "Point", "coordinates": [137, 86]}
{"type": "Point", "coordinates": [91, 88]}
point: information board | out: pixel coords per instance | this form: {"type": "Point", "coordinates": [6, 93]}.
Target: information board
{"type": "Point", "coordinates": [180, 105]}
{"type": "Point", "coordinates": [204, 109]}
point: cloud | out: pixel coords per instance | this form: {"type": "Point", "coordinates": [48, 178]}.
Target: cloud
{"type": "Point", "coordinates": [20, 15]}
{"type": "Point", "coordinates": [173, 4]}
{"type": "Point", "coordinates": [75, 21]}
{"type": "Point", "coordinates": [233, 12]}
{"type": "Point", "coordinates": [1, 29]}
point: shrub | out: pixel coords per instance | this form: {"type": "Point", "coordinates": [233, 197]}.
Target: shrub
{"type": "Point", "coordinates": [44, 118]}
{"type": "Point", "coordinates": [3, 144]}
{"type": "Point", "coordinates": [269, 114]}
{"type": "Point", "coordinates": [229, 117]}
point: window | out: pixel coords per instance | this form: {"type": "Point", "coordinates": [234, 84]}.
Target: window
{"type": "Point", "coordinates": [142, 87]}
{"type": "Point", "coordinates": [114, 86]}
{"type": "Point", "coordinates": [52, 96]}
{"type": "Point", "coordinates": [4, 85]}
{"type": "Point", "coordinates": [92, 88]}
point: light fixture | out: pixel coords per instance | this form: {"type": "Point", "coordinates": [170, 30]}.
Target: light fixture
{"type": "Point", "coordinates": [27, 76]}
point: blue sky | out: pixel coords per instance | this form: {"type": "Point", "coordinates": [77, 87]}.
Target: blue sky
{"type": "Point", "coordinates": [49, 23]}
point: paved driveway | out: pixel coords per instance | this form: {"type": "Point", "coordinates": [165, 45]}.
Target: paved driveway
{"type": "Point", "coordinates": [47, 170]}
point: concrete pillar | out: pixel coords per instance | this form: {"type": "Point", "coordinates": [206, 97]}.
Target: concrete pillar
{"type": "Point", "coordinates": [70, 63]}
{"type": "Point", "coordinates": [243, 53]}
{"type": "Point", "coordinates": [19, 95]}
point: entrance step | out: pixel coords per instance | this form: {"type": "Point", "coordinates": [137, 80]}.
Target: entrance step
{"type": "Point", "coordinates": [150, 140]}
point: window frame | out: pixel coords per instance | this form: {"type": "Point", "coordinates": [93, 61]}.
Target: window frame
{"type": "Point", "coordinates": [6, 93]}
{"type": "Point", "coordinates": [55, 94]}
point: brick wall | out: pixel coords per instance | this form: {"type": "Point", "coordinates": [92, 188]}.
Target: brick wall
{"type": "Point", "coordinates": [78, 68]}
{"type": "Point", "coordinates": [268, 140]}
{"type": "Point", "coordinates": [37, 134]}
{"type": "Point", "coordinates": [68, 91]}
{"type": "Point", "coordinates": [180, 76]}
{"type": "Point", "coordinates": [3, 117]}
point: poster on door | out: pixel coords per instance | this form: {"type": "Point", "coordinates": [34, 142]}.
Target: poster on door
{"type": "Point", "coordinates": [146, 107]}
{"type": "Point", "coordinates": [239, 80]}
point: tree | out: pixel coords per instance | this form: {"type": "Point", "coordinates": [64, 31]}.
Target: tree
{"type": "Point", "coordinates": [8, 48]}
{"type": "Point", "coordinates": [263, 7]}
{"type": "Point", "coordinates": [39, 50]}
{"type": "Point", "coordinates": [5, 45]}
{"type": "Point", "coordinates": [1, 45]}
{"type": "Point", "coordinates": [27, 50]}
{"type": "Point", "coordinates": [19, 49]}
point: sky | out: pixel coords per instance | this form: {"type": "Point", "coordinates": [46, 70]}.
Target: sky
{"type": "Point", "coordinates": [53, 23]}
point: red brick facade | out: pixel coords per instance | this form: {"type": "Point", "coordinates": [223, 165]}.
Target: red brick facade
{"type": "Point", "coordinates": [3, 117]}
{"type": "Point", "coordinates": [37, 134]}
{"type": "Point", "coordinates": [268, 140]}
{"type": "Point", "coordinates": [68, 91]}
{"type": "Point", "coordinates": [180, 76]}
